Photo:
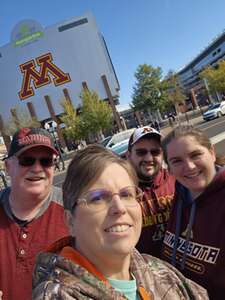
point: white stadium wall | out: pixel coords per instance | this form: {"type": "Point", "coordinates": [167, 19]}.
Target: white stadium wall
{"type": "Point", "coordinates": [39, 62]}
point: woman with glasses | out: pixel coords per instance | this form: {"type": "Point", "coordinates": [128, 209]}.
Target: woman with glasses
{"type": "Point", "coordinates": [195, 241]}
{"type": "Point", "coordinates": [99, 259]}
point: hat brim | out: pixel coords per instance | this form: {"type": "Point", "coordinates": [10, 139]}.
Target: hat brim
{"type": "Point", "coordinates": [153, 134]}
{"type": "Point", "coordinates": [24, 149]}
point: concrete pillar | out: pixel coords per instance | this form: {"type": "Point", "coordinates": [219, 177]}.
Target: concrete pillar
{"type": "Point", "coordinates": [111, 102]}
{"type": "Point", "coordinates": [67, 95]}
{"type": "Point", "coordinates": [54, 118]}
{"type": "Point", "coordinates": [193, 99]}
{"type": "Point", "coordinates": [31, 109]}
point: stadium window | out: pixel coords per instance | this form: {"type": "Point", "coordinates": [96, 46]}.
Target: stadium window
{"type": "Point", "coordinates": [73, 24]}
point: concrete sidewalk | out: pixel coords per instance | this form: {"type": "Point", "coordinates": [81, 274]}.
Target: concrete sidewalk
{"type": "Point", "coordinates": [193, 121]}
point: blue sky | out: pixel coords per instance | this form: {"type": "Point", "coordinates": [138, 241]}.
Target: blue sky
{"type": "Point", "coordinates": [164, 33]}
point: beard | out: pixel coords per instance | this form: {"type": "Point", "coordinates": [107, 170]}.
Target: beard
{"type": "Point", "coordinates": [144, 176]}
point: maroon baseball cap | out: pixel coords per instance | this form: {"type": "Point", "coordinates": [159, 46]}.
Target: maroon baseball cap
{"type": "Point", "coordinates": [27, 138]}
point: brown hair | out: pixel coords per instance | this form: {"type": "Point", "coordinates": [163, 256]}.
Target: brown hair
{"type": "Point", "coordinates": [86, 167]}
{"type": "Point", "coordinates": [189, 130]}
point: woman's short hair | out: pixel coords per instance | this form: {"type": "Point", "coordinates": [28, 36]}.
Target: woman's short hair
{"type": "Point", "coordinates": [86, 167]}
{"type": "Point", "coordinates": [189, 130]}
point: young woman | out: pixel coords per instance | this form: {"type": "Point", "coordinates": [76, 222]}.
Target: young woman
{"type": "Point", "coordinates": [99, 260]}
{"type": "Point", "coordinates": [195, 241]}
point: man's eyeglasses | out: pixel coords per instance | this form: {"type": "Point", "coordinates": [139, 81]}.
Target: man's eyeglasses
{"type": "Point", "coordinates": [28, 161]}
{"type": "Point", "coordinates": [100, 199]}
{"type": "Point", "coordinates": [142, 152]}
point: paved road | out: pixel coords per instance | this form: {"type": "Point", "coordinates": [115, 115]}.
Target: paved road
{"type": "Point", "coordinates": [215, 129]}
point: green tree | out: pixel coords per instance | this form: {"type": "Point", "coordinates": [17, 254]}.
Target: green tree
{"type": "Point", "coordinates": [71, 120]}
{"type": "Point", "coordinates": [149, 91]}
{"type": "Point", "coordinates": [215, 77]}
{"type": "Point", "coordinates": [96, 114]}
{"type": "Point", "coordinates": [175, 93]}
{"type": "Point", "coordinates": [95, 117]}
{"type": "Point", "coordinates": [20, 119]}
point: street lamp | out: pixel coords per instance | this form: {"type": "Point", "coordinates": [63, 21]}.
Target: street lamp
{"type": "Point", "coordinates": [51, 127]}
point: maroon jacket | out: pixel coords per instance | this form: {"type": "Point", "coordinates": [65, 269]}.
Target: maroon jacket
{"type": "Point", "coordinates": [20, 244]}
{"type": "Point", "coordinates": [204, 262]}
{"type": "Point", "coordinates": [156, 205]}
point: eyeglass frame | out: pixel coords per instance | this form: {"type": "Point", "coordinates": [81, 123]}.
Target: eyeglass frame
{"type": "Point", "coordinates": [154, 152]}
{"type": "Point", "coordinates": [52, 161]}
{"type": "Point", "coordinates": [82, 199]}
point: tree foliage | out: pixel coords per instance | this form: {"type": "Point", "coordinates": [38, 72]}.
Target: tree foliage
{"type": "Point", "coordinates": [96, 113]}
{"type": "Point", "coordinates": [145, 91]}
{"type": "Point", "coordinates": [20, 119]}
{"type": "Point", "coordinates": [215, 77]}
{"type": "Point", "coordinates": [149, 91]}
{"type": "Point", "coordinates": [176, 95]}
{"type": "Point", "coordinates": [71, 120]}
{"type": "Point", "coordinates": [96, 116]}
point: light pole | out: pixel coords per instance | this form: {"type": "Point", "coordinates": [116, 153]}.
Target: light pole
{"type": "Point", "coordinates": [50, 127]}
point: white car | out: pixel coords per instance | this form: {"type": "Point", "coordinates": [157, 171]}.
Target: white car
{"type": "Point", "coordinates": [121, 148]}
{"type": "Point", "coordinates": [119, 137]}
{"type": "Point", "coordinates": [215, 110]}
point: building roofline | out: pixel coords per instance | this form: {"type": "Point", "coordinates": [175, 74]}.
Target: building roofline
{"type": "Point", "coordinates": [213, 45]}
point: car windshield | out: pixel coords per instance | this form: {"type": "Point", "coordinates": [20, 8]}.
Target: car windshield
{"type": "Point", "coordinates": [213, 106]}
{"type": "Point", "coordinates": [121, 148]}
{"type": "Point", "coordinates": [119, 137]}
{"type": "Point", "coordinates": [105, 141]}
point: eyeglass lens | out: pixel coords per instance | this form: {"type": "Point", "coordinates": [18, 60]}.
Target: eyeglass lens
{"type": "Point", "coordinates": [143, 152]}
{"type": "Point", "coordinates": [28, 161]}
{"type": "Point", "coordinates": [100, 198]}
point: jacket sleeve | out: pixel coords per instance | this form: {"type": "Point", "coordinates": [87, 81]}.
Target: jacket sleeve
{"type": "Point", "coordinates": [46, 290]}
{"type": "Point", "coordinates": [50, 290]}
{"type": "Point", "coordinates": [184, 287]}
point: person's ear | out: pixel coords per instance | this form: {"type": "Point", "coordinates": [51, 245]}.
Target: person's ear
{"type": "Point", "coordinates": [213, 153]}
{"type": "Point", "coordinates": [128, 154]}
{"type": "Point", "coordinates": [69, 220]}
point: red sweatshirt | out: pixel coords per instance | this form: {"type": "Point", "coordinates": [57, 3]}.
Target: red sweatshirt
{"type": "Point", "coordinates": [156, 205]}
{"type": "Point", "coordinates": [20, 244]}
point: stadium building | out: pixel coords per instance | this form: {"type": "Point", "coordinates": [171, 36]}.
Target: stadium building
{"type": "Point", "coordinates": [194, 87]}
{"type": "Point", "coordinates": [41, 66]}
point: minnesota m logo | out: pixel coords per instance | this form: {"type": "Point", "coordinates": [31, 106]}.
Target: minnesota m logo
{"type": "Point", "coordinates": [40, 77]}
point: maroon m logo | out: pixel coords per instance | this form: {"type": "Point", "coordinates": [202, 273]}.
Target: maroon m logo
{"type": "Point", "coordinates": [41, 77]}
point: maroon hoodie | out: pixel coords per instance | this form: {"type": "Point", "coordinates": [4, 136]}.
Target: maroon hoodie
{"type": "Point", "coordinates": [156, 206]}
{"type": "Point", "coordinates": [201, 247]}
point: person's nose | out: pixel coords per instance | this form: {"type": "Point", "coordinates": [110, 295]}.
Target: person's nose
{"type": "Point", "coordinates": [37, 166]}
{"type": "Point", "coordinates": [148, 156]}
{"type": "Point", "coordinates": [117, 206]}
{"type": "Point", "coordinates": [189, 164]}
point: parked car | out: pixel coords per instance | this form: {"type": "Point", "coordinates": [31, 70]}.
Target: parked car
{"type": "Point", "coordinates": [104, 142]}
{"type": "Point", "coordinates": [215, 110]}
{"type": "Point", "coordinates": [121, 148]}
{"type": "Point", "coordinates": [119, 137]}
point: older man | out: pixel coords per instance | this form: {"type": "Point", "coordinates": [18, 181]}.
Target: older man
{"type": "Point", "coordinates": [145, 154]}
{"type": "Point", "coordinates": [31, 213]}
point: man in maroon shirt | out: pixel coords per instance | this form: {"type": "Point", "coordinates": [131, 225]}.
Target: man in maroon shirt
{"type": "Point", "coordinates": [31, 213]}
{"type": "Point", "coordinates": [145, 154]}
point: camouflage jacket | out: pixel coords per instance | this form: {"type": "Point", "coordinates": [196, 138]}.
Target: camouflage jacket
{"type": "Point", "coordinates": [60, 277]}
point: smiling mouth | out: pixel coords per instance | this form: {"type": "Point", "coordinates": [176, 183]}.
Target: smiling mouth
{"type": "Point", "coordinates": [35, 179]}
{"type": "Point", "coordinates": [118, 228]}
{"type": "Point", "coordinates": [192, 176]}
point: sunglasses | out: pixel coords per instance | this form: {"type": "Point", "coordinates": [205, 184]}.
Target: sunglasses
{"type": "Point", "coordinates": [28, 161]}
{"type": "Point", "coordinates": [100, 199]}
{"type": "Point", "coordinates": [142, 152]}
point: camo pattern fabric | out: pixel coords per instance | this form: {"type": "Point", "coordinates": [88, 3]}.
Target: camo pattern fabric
{"type": "Point", "coordinates": [58, 278]}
